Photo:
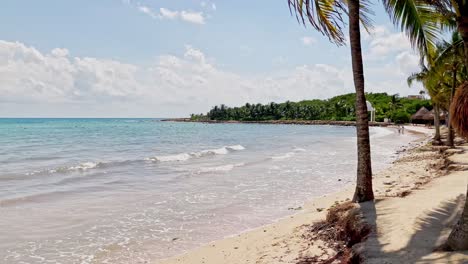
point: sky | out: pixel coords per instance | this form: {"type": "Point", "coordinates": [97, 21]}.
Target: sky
{"type": "Point", "coordinates": [171, 58]}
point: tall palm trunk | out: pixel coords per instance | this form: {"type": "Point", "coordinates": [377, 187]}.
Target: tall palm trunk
{"type": "Point", "coordinates": [458, 238]}
{"type": "Point", "coordinates": [436, 125]}
{"type": "Point", "coordinates": [451, 133]}
{"type": "Point", "coordinates": [364, 170]}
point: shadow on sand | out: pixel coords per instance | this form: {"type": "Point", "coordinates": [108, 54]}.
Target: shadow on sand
{"type": "Point", "coordinates": [429, 232]}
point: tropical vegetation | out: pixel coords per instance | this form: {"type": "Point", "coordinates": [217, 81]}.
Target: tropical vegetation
{"type": "Point", "coordinates": [340, 108]}
{"type": "Point", "coordinates": [443, 74]}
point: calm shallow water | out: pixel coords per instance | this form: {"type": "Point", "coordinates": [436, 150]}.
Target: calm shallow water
{"type": "Point", "coordinates": [130, 190]}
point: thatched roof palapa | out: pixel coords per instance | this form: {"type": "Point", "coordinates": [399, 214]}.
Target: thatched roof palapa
{"type": "Point", "coordinates": [430, 115]}
{"type": "Point", "coordinates": [420, 114]}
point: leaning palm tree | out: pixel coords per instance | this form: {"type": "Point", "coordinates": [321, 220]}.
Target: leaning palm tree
{"type": "Point", "coordinates": [450, 61]}
{"type": "Point", "coordinates": [456, 11]}
{"type": "Point", "coordinates": [326, 16]}
{"type": "Point", "coordinates": [439, 78]}
{"type": "Point", "coordinates": [431, 80]}
{"type": "Point", "coordinates": [423, 19]}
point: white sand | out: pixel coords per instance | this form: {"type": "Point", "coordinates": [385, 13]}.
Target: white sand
{"type": "Point", "coordinates": [407, 228]}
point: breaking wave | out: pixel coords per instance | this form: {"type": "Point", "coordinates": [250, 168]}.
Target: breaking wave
{"type": "Point", "coordinates": [288, 154]}
{"type": "Point", "coordinates": [86, 166]}
{"type": "Point", "coordinates": [185, 156]}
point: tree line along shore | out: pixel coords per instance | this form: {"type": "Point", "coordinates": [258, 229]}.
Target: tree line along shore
{"type": "Point", "coordinates": [438, 30]}
{"type": "Point", "coordinates": [277, 122]}
{"type": "Point", "coordinates": [338, 110]}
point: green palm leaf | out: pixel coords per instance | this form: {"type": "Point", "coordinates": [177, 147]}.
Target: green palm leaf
{"type": "Point", "coordinates": [420, 21]}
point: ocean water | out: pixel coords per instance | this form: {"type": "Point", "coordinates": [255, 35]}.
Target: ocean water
{"type": "Point", "coordinates": [133, 190]}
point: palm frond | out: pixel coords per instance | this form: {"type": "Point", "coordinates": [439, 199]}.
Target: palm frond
{"type": "Point", "coordinates": [326, 16]}
{"type": "Point", "coordinates": [419, 20]}
{"type": "Point", "coordinates": [449, 53]}
{"type": "Point", "coordinates": [417, 77]}
{"type": "Point", "coordinates": [323, 15]}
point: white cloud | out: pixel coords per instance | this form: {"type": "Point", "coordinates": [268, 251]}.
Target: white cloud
{"type": "Point", "coordinates": [172, 85]}
{"type": "Point", "coordinates": [165, 13]}
{"type": "Point", "coordinates": [308, 41]}
{"type": "Point", "coordinates": [383, 42]}
{"type": "Point", "coordinates": [391, 76]}
{"type": "Point", "coordinates": [60, 52]}
{"type": "Point", "coordinates": [213, 6]}
{"type": "Point", "coordinates": [148, 11]}
{"type": "Point", "coordinates": [193, 17]}
{"type": "Point", "coordinates": [55, 83]}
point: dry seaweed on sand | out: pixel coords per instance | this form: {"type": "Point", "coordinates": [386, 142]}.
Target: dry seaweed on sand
{"type": "Point", "coordinates": [343, 228]}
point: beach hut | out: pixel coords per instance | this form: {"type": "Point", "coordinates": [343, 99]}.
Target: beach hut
{"type": "Point", "coordinates": [421, 116]}
{"type": "Point", "coordinates": [429, 117]}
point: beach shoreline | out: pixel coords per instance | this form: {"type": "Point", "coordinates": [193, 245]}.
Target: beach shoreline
{"type": "Point", "coordinates": [283, 242]}
{"type": "Point", "coordinates": [278, 122]}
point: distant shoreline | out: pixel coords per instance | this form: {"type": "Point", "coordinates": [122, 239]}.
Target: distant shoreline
{"type": "Point", "coordinates": [279, 122]}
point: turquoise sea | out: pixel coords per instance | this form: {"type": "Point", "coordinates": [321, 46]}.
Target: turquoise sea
{"type": "Point", "coordinates": [133, 190]}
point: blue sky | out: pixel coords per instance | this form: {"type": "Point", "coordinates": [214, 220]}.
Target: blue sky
{"type": "Point", "coordinates": [172, 58]}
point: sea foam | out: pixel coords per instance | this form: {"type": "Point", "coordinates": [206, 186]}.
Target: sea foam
{"type": "Point", "coordinates": [203, 153]}
{"type": "Point", "coordinates": [222, 168]}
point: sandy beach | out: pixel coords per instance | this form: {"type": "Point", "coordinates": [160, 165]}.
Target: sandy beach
{"type": "Point", "coordinates": [418, 200]}
{"type": "Point", "coordinates": [234, 132]}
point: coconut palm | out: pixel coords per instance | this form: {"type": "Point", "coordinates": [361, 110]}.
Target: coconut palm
{"type": "Point", "coordinates": [420, 21]}
{"type": "Point", "coordinates": [450, 62]}
{"type": "Point", "coordinates": [431, 81]}
{"type": "Point", "coordinates": [458, 238]}
{"type": "Point", "coordinates": [436, 79]}
{"type": "Point", "coordinates": [452, 14]}
{"type": "Point", "coordinates": [456, 11]}
{"type": "Point", "coordinates": [326, 16]}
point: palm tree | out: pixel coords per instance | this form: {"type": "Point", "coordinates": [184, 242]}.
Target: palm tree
{"type": "Point", "coordinates": [422, 21]}
{"type": "Point", "coordinates": [419, 21]}
{"type": "Point", "coordinates": [453, 13]}
{"type": "Point", "coordinates": [431, 81]}
{"type": "Point", "coordinates": [326, 17]}
{"type": "Point", "coordinates": [457, 10]}
{"type": "Point", "coordinates": [450, 62]}
{"type": "Point", "coordinates": [458, 238]}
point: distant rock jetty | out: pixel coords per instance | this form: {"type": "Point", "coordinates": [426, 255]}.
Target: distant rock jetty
{"type": "Point", "coordinates": [278, 122]}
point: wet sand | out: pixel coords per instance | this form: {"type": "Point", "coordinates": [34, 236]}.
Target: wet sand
{"type": "Point", "coordinates": [402, 233]}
